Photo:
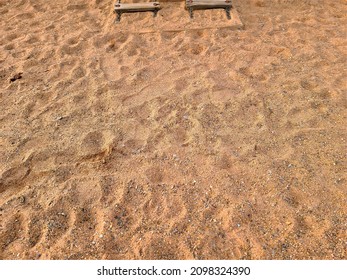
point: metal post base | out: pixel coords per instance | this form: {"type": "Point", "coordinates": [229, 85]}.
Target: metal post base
{"type": "Point", "coordinates": [227, 10]}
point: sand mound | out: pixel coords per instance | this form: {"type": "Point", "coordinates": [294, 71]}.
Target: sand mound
{"type": "Point", "coordinates": [208, 144]}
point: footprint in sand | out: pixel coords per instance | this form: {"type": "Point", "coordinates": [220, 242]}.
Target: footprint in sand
{"type": "Point", "coordinates": [93, 144]}
{"type": "Point", "coordinates": [11, 232]}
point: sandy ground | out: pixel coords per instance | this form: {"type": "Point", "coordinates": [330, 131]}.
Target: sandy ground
{"type": "Point", "coordinates": [208, 144]}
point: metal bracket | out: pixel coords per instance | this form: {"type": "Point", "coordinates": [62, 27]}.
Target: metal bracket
{"type": "Point", "coordinates": [227, 10]}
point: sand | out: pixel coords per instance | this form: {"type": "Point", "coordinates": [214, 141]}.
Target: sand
{"type": "Point", "coordinates": [205, 144]}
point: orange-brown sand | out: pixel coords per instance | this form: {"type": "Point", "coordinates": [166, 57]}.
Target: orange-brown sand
{"type": "Point", "coordinates": [206, 144]}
